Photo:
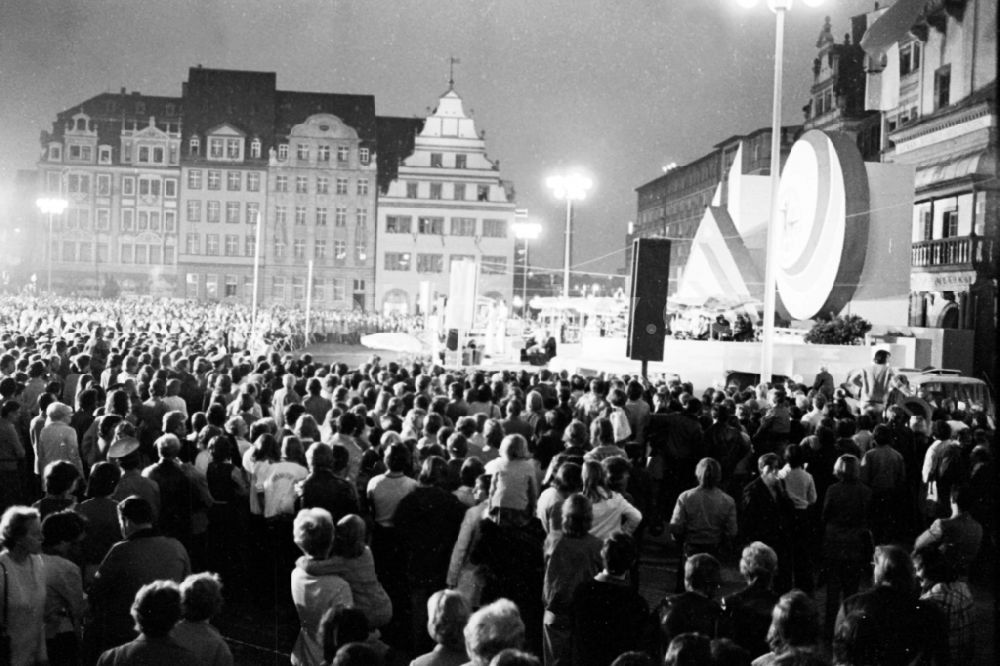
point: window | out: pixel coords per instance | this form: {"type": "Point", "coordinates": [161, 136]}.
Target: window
{"type": "Point", "coordinates": [278, 287]}
{"type": "Point", "coordinates": [459, 191]}
{"type": "Point", "coordinates": [283, 152]}
{"type": "Point", "coordinates": [338, 289]}
{"type": "Point", "coordinates": [102, 253]}
{"type": "Point", "coordinates": [230, 288]}
{"type": "Point", "coordinates": [299, 248]}
{"type": "Point", "coordinates": [435, 159]}
{"type": "Point", "coordinates": [104, 155]}
{"type": "Point", "coordinates": [55, 153]}
{"type": "Point", "coordinates": [430, 225]}
{"type": "Point", "coordinates": [193, 210]}
{"type": "Point", "coordinates": [279, 248]}
{"type": "Point", "coordinates": [322, 185]}
{"type": "Point", "coordinates": [141, 254]}
{"type": "Point", "coordinates": [494, 265]}
{"type": "Point", "coordinates": [214, 179]}
{"type": "Point", "coordinates": [300, 215]}
{"type": "Point", "coordinates": [253, 212]}
{"type": "Point", "coordinates": [232, 212]}
{"type": "Point", "coordinates": [104, 185]}
{"type": "Point", "coordinates": [103, 219]}
{"type": "Point", "coordinates": [79, 184]}
{"type": "Point", "coordinates": [302, 152]}
{"type": "Point", "coordinates": [317, 289]}
{"type": "Point", "coordinates": [255, 149]}
{"type": "Point", "coordinates": [232, 245]}
{"type": "Point", "coordinates": [216, 148]}
{"type": "Point", "coordinates": [234, 148]}
{"type": "Point", "coordinates": [339, 251]}
{"type": "Point", "coordinates": [435, 190]}
{"type": "Point", "coordinates": [149, 187]}
{"type": "Point", "coordinates": [949, 224]}
{"type": "Point", "coordinates": [170, 221]}
{"type": "Point", "coordinates": [341, 186]}
{"type": "Point", "coordinates": [128, 219]}
{"type": "Point", "coordinates": [194, 179]}
{"type": "Point", "coordinates": [321, 217]}
{"type": "Point", "coordinates": [343, 152]}
{"type": "Point", "coordinates": [362, 186]}
{"type": "Point", "coordinates": [301, 185]}
{"type": "Point", "coordinates": [927, 223]}
{"type": "Point", "coordinates": [323, 154]}
{"type": "Point", "coordinates": [909, 58]}
{"type": "Point", "coordinates": [460, 161]}
{"type": "Point", "coordinates": [398, 224]}
{"type": "Point", "coordinates": [430, 263]}
{"type": "Point", "coordinates": [253, 182]}
{"type": "Point", "coordinates": [191, 285]}
{"type": "Point", "coordinates": [483, 193]}
{"type": "Point", "coordinates": [942, 87]}
{"type": "Point", "coordinates": [495, 228]}
{"type": "Point", "coordinates": [85, 252]}
{"type": "Point", "coordinates": [170, 188]}
{"type": "Point", "coordinates": [213, 211]}
{"type": "Point", "coordinates": [194, 145]}
{"type": "Point", "coordinates": [411, 190]}
{"type": "Point", "coordinates": [463, 226]}
{"type": "Point", "coordinates": [212, 245]}
{"type": "Point", "coordinates": [280, 216]}
{"type": "Point", "coordinates": [365, 155]}
{"type": "Point", "coordinates": [397, 261]}
{"type": "Point", "coordinates": [234, 180]}
{"type": "Point", "coordinates": [83, 218]}
{"type": "Point", "coordinates": [319, 250]}
{"type": "Point", "coordinates": [125, 253]}
{"type": "Point", "coordinates": [128, 186]}
{"type": "Point", "coordinates": [154, 220]}
{"type": "Point", "coordinates": [360, 216]}
{"type": "Point", "coordinates": [53, 182]}
{"type": "Point", "coordinates": [298, 289]}
{"type": "Point", "coordinates": [340, 217]}
{"type": "Point", "coordinates": [143, 153]}
{"type": "Point", "coordinates": [281, 184]}
{"type": "Point", "coordinates": [250, 245]}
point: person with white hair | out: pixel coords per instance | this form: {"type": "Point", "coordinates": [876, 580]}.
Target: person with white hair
{"type": "Point", "coordinates": [492, 629]}
{"type": "Point", "coordinates": [57, 440]}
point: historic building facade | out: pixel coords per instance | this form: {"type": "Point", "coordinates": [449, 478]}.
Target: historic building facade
{"type": "Point", "coordinates": [115, 160]}
{"type": "Point", "coordinates": [447, 203]}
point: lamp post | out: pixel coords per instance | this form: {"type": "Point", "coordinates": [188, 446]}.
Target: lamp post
{"type": "Point", "coordinates": [526, 231]}
{"type": "Point", "coordinates": [779, 7]}
{"type": "Point", "coordinates": [569, 187]}
{"type": "Point", "coordinates": [50, 206]}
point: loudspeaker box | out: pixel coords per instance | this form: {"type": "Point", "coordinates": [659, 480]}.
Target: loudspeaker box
{"type": "Point", "coordinates": [647, 311]}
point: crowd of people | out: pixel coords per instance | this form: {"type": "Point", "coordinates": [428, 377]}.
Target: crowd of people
{"type": "Point", "coordinates": [152, 470]}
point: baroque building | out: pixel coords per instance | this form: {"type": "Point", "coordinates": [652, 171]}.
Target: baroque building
{"type": "Point", "coordinates": [447, 203]}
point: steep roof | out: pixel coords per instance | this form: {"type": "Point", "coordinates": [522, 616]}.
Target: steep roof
{"type": "Point", "coordinates": [396, 137]}
{"type": "Point", "coordinates": [358, 111]}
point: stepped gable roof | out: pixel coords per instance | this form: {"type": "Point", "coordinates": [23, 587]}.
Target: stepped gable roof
{"type": "Point", "coordinates": [396, 141]}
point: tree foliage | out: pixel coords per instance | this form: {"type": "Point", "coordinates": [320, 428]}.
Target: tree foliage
{"type": "Point", "coordinates": [849, 330]}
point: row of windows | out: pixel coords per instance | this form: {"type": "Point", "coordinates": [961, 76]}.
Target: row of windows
{"type": "Point", "coordinates": [128, 253]}
{"type": "Point", "coordinates": [323, 153]}
{"type": "Point", "coordinates": [131, 220]}
{"type": "Point", "coordinates": [323, 289]}
{"type": "Point", "coordinates": [459, 191]}
{"type": "Point", "coordinates": [139, 153]}
{"type": "Point", "coordinates": [302, 215]}
{"type": "Point", "coordinates": [458, 226]}
{"type": "Point", "coordinates": [321, 250]}
{"type": "Point", "coordinates": [231, 149]}
{"type": "Point", "coordinates": [213, 181]}
{"type": "Point", "coordinates": [459, 161]}
{"type": "Point", "coordinates": [102, 185]}
{"type": "Point", "coordinates": [232, 245]}
{"type": "Point", "coordinates": [322, 185]}
{"type": "Point", "coordinates": [434, 263]}
{"type": "Point", "coordinates": [213, 211]}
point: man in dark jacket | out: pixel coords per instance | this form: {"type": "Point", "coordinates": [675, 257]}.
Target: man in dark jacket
{"type": "Point", "coordinates": [768, 515]}
{"type": "Point", "coordinates": [695, 609]}
{"type": "Point", "coordinates": [326, 487]}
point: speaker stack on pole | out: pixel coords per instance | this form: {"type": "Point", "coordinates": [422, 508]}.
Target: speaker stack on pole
{"type": "Point", "coordinates": [647, 325]}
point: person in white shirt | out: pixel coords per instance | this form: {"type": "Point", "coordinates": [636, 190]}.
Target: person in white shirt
{"type": "Point", "coordinates": [801, 490]}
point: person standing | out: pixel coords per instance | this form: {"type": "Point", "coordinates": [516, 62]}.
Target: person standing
{"type": "Point", "coordinates": [22, 585]}
{"type": "Point", "coordinates": [768, 516]}
{"type": "Point", "coordinates": [874, 383]}
{"type": "Point", "coordinates": [884, 471]}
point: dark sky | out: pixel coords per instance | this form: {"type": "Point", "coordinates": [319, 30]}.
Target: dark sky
{"type": "Point", "coordinates": [617, 88]}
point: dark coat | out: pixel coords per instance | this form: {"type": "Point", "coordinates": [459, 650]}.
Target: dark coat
{"type": "Point", "coordinates": [747, 617]}
{"type": "Point", "coordinates": [909, 628]}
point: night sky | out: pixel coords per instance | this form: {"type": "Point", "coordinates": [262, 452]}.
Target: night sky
{"type": "Point", "coordinates": [616, 88]}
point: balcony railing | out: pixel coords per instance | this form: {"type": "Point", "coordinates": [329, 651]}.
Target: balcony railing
{"type": "Point", "coordinates": [966, 251]}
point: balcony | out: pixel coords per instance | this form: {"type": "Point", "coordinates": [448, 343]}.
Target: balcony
{"type": "Point", "coordinates": [962, 253]}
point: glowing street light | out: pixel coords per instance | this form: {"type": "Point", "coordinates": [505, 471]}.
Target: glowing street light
{"type": "Point", "coordinates": [570, 187]}
{"type": "Point", "coordinates": [50, 206]}
{"type": "Point", "coordinates": [526, 231]}
{"type": "Point", "coordinates": [779, 7]}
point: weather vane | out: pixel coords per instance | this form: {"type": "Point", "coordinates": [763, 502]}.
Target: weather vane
{"type": "Point", "coordinates": [452, 61]}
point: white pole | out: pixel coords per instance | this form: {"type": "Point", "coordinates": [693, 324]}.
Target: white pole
{"type": "Point", "coordinates": [773, 230]}
{"type": "Point", "coordinates": [309, 294]}
{"type": "Point", "coordinates": [524, 283]}
{"type": "Point", "coordinates": [48, 288]}
{"type": "Point", "coordinates": [256, 279]}
{"type": "Point", "coordinates": [569, 240]}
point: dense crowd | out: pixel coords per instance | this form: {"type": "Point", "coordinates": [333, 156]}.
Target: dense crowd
{"type": "Point", "coordinates": [152, 468]}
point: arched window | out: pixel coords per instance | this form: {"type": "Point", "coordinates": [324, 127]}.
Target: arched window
{"type": "Point", "coordinates": [194, 145]}
{"type": "Point", "coordinates": [255, 148]}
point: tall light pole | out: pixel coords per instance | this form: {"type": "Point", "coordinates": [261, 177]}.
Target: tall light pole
{"type": "Point", "coordinates": [569, 187]}
{"type": "Point", "coordinates": [779, 7]}
{"type": "Point", "coordinates": [525, 232]}
{"type": "Point", "coordinates": [50, 206]}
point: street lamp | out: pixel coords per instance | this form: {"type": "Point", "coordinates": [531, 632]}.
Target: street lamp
{"type": "Point", "coordinates": [779, 7]}
{"type": "Point", "coordinates": [570, 187]}
{"type": "Point", "coordinates": [526, 231]}
{"type": "Point", "coordinates": [51, 206]}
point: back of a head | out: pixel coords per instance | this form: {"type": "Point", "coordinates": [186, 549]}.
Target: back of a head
{"type": "Point", "coordinates": [794, 622]}
{"type": "Point", "coordinates": [492, 629]}
{"type": "Point", "coordinates": [577, 515]}
{"type": "Point", "coordinates": [136, 510]}
{"type": "Point", "coordinates": [708, 472]}
{"type": "Point", "coordinates": [894, 568]}
{"type": "Point", "coordinates": [157, 608]}
{"type": "Point", "coordinates": [618, 553]}
{"type": "Point", "coordinates": [447, 614]}
{"type": "Point", "coordinates": [858, 640]}
{"type": "Point", "coordinates": [357, 654]}
{"type": "Point", "coordinates": [689, 649]}
{"type": "Point", "coordinates": [702, 573]}
{"type": "Point", "coordinates": [201, 596]}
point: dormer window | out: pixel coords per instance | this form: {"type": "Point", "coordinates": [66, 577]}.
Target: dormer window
{"type": "Point", "coordinates": [255, 149]}
{"type": "Point", "coordinates": [194, 145]}
{"type": "Point", "coordinates": [55, 153]}
{"type": "Point", "coordinates": [216, 148]}
{"type": "Point", "coordinates": [104, 155]}
{"type": "Point", "coordinates": [233, 149]}
{"type": "Point", "coordinates": [364, 154]}
{"type": "Point", "coordinates": [283, 152]}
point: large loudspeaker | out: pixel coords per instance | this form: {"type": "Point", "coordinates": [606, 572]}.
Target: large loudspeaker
{"type": "Point", "coordinates": [647, 320]}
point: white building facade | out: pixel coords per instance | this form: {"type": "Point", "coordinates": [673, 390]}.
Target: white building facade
{"type": "Point", "coordinates": [448, 203]}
